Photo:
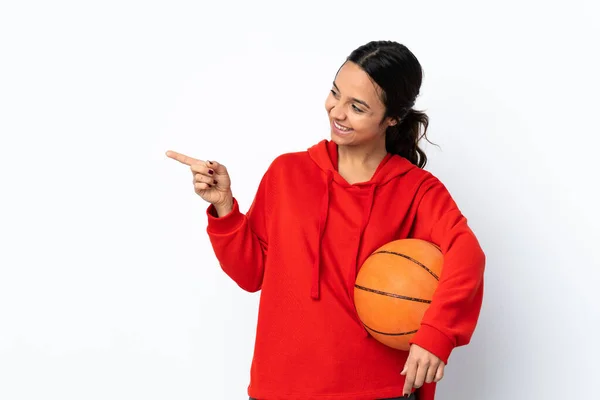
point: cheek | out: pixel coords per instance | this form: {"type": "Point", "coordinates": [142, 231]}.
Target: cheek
{"type": "Point", "coordinates": [359, 122]}
{"type": "Point", "coordinates": [365, 124]}
{"type": "Point", "coordinates": [329, 103]}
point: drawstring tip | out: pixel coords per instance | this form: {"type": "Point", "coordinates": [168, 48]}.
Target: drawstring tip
{"type": "Point", "coordinates": [314, 293]}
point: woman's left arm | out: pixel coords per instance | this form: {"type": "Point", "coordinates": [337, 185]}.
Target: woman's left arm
{"type": "Point", "coordinates": [453, 313]}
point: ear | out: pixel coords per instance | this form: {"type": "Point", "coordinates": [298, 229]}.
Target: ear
{"type": "Point", "coordinates": [393, 122]}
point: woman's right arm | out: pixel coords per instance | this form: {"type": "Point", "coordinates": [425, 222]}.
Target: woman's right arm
{"type": "Point", "coordinates": [239, 240]}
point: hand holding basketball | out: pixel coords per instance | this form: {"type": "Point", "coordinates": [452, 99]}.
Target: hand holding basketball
{"type": "Point", "coordinates": [211, 181]}
{"type": "Point", "coordinates": [421, 367]}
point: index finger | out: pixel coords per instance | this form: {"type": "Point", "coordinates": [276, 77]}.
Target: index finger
{"type": "Point", "coordinates": [409, 381]}
{"type": "Point", "coordinates": [182, 158]}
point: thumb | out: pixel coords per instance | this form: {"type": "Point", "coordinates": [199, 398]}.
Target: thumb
{"type": "Point", "coordinates": [404, 370]}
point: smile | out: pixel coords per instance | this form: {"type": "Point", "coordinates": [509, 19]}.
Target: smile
{"type": "Point", "coordinates": [341, 128]}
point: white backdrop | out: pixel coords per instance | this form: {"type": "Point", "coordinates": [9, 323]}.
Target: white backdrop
{"type": "Point", "coordinates": [108, 285]}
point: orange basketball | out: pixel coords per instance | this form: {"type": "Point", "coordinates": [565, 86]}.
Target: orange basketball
{"type": "Point", "coordinates": [394, 288]}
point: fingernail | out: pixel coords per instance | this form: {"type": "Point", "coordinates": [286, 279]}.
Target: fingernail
{"type": "Point", "coordinates": [210, 171]}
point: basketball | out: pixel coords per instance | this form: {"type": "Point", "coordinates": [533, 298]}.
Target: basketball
{"type": "Point", "coordinates": [394, 288]}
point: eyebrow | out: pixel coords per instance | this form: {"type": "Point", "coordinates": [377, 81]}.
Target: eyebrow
{"type": "Point", "coordinates": [353, 98]}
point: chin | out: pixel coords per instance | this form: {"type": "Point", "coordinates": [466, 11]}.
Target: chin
{"type": "Point", "coordinates": [340, 140]}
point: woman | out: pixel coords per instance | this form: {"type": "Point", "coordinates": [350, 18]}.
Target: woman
{"type": "Point", "coordinates": [318, 214]}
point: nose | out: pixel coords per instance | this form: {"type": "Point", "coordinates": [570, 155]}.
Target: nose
{"type": "Point", "coordinates": [337, 112]}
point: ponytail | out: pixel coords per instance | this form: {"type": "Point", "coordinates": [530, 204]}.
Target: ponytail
{"type": "Point", "coordinates": [396, 70]}
{"type": "Point", "coordinates": [403, 138]}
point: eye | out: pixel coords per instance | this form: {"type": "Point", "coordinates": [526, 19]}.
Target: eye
{"type": "Point", "coordinates": [334, 93]}
{"type": "Point", "coordinates": [355, 108]}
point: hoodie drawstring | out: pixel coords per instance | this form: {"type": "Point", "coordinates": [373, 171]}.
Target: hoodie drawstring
{"type": "Point", "coordinates": [324, 213]}
{"type": "Point", "coordinates": [352, 278]}
{"type": "Point", "coordinates": [370, 201]}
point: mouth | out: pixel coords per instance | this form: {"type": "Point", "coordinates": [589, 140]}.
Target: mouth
{"type": "Point", "coordinates": [341, 129]}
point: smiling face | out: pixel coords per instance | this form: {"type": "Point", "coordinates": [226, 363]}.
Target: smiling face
{"type": "Point", "coordinates": [355, 109]}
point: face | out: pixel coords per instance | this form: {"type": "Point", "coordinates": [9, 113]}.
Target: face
{"type": "Point", "coordinates": [355, 108]}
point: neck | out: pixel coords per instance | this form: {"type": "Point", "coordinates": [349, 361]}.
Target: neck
{"type": "Point", "coordinates": [365, 156]}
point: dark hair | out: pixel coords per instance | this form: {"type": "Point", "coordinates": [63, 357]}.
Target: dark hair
{"type": "Point", "coordinates": [397, 71]}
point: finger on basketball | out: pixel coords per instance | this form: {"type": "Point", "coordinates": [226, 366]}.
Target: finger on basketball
{"type": "Point", "coordinates": [182, 158]}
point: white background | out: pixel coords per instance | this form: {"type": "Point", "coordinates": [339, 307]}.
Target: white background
{"type": "Point", "coordinates": [108, 286]}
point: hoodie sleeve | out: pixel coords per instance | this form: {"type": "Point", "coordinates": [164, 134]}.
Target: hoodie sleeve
{"type": "Point", "coordinates": [452, 315]}
{"type": "Point", "coordinates": [240, 240]}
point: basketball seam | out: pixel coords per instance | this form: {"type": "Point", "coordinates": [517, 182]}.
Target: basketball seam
{"type": "Point", "coordinates": [396, 296]}
{"type": "Point", "coordinates": [389, 333]}
{"type": "Point", "coordinates": [410, 259]}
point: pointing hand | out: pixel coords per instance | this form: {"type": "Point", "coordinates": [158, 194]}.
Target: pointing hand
{"type": "Point", "coordinates": [211, 181]}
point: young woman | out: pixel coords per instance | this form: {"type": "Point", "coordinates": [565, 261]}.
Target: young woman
{"type": "Point", "coordinates": [318, 214]}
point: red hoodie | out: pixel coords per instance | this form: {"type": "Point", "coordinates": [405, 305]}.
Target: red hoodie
{"type": "Point", "coordinates": [302, 243]}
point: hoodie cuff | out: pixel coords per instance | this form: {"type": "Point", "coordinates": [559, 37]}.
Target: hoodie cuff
{"type": "Point", "coordinates": [434, 341]}
{"type": "Point", "coordinates": [227, 223]}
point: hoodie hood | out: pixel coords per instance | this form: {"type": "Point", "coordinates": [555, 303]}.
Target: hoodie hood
{"type": "Point", "coordinates": [324, 154]}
